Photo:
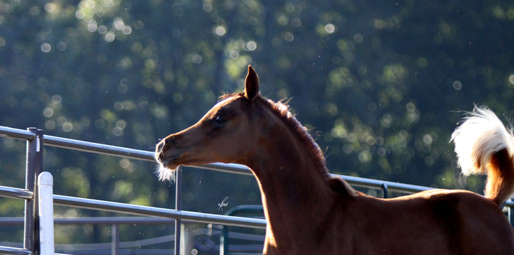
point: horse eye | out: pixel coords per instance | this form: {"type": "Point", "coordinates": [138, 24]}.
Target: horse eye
{"type": "Point", "coordinates": [218, 119]}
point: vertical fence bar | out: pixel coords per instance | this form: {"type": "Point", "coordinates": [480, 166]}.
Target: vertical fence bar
{"type": "Point", "coordinates": [115, 239]}
{"type": "Point", "coordinates": [385, 190]}
{"type": "Point", "coordinates": [510, 213]}
{"type": "Point", "coordinates": [34, 164]}
{"type": "Point", "coordinates": [178, 207]}
{"type": "Point", "coordinates": [224, 241]}
{"type": "Point", "coordinates": [46, 213]}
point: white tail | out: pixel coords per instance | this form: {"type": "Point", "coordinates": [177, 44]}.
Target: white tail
{"type": "Point", "coordinates": [485, 146]}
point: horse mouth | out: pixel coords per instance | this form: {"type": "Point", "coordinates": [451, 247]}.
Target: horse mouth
{"type": "Point", "coordinates": [174, 161]}
{"type": "Point", "coordinates": [169, 163]}
{"type": "Point", "coordinates": [166, 168]}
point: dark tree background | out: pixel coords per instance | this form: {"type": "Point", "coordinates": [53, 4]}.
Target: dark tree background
{"type": "Point", "coordinates": [382, 84]}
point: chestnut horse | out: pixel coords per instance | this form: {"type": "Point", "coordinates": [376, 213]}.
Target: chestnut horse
{"type": "Point", "coordinates": [310, 212]}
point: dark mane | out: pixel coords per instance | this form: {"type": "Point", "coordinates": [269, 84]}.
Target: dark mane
{"type": "Point", "coordinates": [282, 111]}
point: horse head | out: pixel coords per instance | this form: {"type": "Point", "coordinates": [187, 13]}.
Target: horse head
{"type": "Point", "coordinates": [221, 135]}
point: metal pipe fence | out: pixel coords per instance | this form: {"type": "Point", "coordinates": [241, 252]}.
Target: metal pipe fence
{"type": "Point", "coordinates": [36, 140]}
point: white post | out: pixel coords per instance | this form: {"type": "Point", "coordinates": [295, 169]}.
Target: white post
{"type": "Point", "coordinates": [46, 213]}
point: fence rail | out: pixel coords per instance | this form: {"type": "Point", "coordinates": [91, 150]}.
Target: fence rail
{"type": "Point", "coordinates": [36, 141]}
{"type": "Point", "coordinates": [87, 203]}
{"type": "Point", "coordinates": [15, 192]}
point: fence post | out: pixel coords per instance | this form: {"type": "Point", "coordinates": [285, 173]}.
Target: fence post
{"type": "Point", "coordinates": [178, 207]}
{"type": "Point", "coordinates": [385, 190]}
{"type": "Point", "coordinates": [510, 213]}
{"type": "Point", "coordinates": [115, 240]}
{"type": "Point", "coordinates": [34, 165]}
{"type": "Point", "coordinates": [46, 213]}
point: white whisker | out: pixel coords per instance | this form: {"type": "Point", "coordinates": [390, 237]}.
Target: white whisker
{"type": "Point", "coordinates": [165, 174]}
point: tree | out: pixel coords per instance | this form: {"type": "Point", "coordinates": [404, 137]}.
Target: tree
{"type": "Point", "coordinates": [380, 83]}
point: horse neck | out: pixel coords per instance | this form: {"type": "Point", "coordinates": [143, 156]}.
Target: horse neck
{"type": "Point", "coordinates": [294, 187]}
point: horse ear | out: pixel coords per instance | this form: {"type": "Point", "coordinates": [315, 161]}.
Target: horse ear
{"type": "Point", "coordinates": [251, 84]}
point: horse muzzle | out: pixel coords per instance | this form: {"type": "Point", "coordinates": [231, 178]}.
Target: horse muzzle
{"type": "Point", "coordinates": [162, 151]}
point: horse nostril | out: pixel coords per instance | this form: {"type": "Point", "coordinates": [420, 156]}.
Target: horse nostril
{"type": "Point", "coordinates": [165, 144]}
{"type": "Point", "coordinates": [161, 156]}
{"type": "Point", "coordinates": [161, 145]}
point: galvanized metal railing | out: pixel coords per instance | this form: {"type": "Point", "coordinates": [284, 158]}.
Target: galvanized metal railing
{"type": "Point", "coordinates": [36, 141]}
{"type": "Point", "coordinates": [34, 166]}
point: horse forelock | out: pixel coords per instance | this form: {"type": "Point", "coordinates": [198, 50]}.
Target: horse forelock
{"type": "Point", "coordinates": [229, 95]}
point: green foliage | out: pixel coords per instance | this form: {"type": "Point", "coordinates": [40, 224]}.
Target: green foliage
{"type": "Point", "coordinates": [382, 83]}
